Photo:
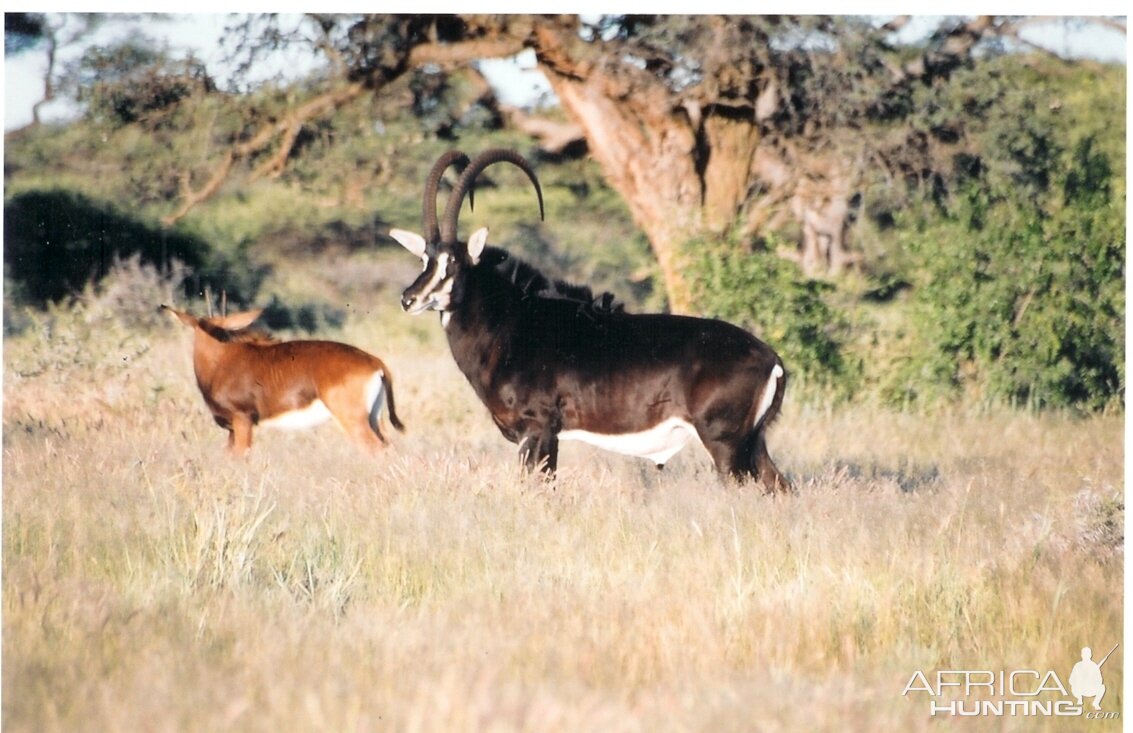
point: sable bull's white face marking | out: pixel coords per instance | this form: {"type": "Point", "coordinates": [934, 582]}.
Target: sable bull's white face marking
{"type": "Point", "coordinates": [432, 290]}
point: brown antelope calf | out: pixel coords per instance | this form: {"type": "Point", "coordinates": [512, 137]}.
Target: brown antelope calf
{"type": "Point", "coordinates": [248, 379]}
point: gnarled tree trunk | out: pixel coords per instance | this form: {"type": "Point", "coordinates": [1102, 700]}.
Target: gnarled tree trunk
{"type": "Point", "coordinates": [681, 172]}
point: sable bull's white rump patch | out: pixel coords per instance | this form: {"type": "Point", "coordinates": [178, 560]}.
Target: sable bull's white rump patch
{"type": "Point", "coordinates": [658, 444]}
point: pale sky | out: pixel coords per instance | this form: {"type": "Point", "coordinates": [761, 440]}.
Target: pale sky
{"type": "Point", "coordinates": [515, 80]}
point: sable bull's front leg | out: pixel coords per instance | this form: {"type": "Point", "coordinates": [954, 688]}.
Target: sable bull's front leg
{"type": "Point", "coordinates": [538, 433]}
{"type": "Point", "coordinates": [535, 429]}
{"type": "Point", "coordinates": [539, 449]}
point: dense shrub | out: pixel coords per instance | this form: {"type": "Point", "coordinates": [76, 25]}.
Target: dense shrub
{"type": "Point", "coordinates": [1019, 297]}
{"type": "Point", "coordinates": [770, 296]}
{"type": "Point", "coordinates": [58, 241]}
{"type": "Point", "coordinates": [130, 82]}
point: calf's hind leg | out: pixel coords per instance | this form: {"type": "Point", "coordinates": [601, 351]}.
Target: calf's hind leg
{"type": "Point", "coordinates": [347, 404]}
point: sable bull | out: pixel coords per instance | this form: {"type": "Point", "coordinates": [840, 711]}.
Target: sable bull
{"type": "Point", "coordinates": [561, 368]}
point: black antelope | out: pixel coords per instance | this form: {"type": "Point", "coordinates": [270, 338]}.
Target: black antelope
{"type": "Point", "coordinates": [249, 379]}
{"type": "Point", "coordinates": [553, 367]}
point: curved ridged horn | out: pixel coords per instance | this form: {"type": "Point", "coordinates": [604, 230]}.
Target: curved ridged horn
{"type": "Point", "coordinates": [464, 185]}
{"type": "Point", "coordinates": [429, 228]}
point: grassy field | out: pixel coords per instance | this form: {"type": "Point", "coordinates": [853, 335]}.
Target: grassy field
{"type": "Point", "coordinates": [151, 583]}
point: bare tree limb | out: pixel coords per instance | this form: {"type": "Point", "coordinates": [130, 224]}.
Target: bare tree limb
{"type": "Point", "coordinates": [190, 198]}
{"type": "Point", "coordinates": [554, 136]}
{"type": "Point", "coordinates": [1013, 29]}
{"type": "Point", "coordinates": [448, 55]}
{"type": "Point", "coordinates": [286, 131]}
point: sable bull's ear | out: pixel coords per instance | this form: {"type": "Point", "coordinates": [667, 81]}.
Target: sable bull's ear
{"type": "Point", "coordinates": [412, 241]}
{"type": "Point", "coordinates": [476, 244]}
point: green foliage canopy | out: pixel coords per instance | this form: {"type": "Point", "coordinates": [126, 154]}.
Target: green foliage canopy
{"type": "Point", "coordinates": [1020, 298]}
{"type": "Point", "coordinates": [997, 234]}
{"type": "Point", "coordinates": [768, 295]}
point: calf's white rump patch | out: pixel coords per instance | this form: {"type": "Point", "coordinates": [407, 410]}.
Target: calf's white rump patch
{"type": "Point", "coordinates": [375, 390]}
{"type": "Point", "coordinates": [313, 414]}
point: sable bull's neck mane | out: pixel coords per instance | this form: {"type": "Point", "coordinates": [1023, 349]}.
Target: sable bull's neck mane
{"type": "Point", "coordinates": [531, 283]}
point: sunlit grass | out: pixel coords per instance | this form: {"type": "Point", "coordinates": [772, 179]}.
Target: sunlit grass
{"type": "Point", "coordinates": [153, 583]}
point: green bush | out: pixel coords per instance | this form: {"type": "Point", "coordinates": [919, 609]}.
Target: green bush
{"type": "Point", "coordinates": [57, 241]}
{"type": "Point", "coordinates": [770, 297]}
{"type": "Point", "coordinates": [133, 81]}
{"type": "Point", "coordinates": [1019, 298]}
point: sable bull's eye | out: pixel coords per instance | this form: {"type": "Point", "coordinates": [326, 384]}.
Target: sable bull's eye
{"type": "Point", "coordinates": [440, 276]}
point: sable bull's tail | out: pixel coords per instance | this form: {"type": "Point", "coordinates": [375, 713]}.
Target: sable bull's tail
{"type": "Point", "coordinates": [770, 400]}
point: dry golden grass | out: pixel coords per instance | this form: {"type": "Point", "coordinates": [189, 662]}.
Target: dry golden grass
{"type": "Point", "coordinates": [152, 583]}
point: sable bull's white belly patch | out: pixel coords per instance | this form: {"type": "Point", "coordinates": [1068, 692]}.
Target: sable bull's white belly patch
{"type": "Point", "coordinates": [658, 444]}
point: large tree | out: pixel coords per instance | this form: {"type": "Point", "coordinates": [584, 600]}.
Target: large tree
{"type": "Point", "coordinates": [51, 33]}
{"type": "Point", "coordinates": [709, 124]}
{"type": "Point", "coordinates": [706, 125]}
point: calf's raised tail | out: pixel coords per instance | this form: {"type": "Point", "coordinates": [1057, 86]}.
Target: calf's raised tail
{"type": "Point", "coordinates": [382, 397]}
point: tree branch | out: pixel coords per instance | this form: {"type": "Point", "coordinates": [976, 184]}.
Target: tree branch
{"type": "Point", "coordinates": [554, 136]}
{"type": "Point", "coordinates": [454, 54]}
{"type": "Point", "coordinates": [1013, 29]}
{"type": "Point", "coordinates": [286, 130]}
{"type": "Point", "coordinates": [191, 198]}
